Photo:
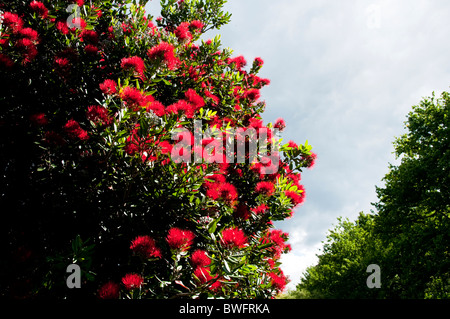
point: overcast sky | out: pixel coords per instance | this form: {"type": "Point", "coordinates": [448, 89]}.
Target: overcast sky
{"type": "Point", "coordinates": [344, 74]}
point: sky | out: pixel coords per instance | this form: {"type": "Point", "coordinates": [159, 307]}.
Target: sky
{"type": "Point", "coordinates": [344, 75]}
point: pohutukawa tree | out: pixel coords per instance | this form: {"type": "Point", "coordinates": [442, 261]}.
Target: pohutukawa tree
{"type": "Point", "coordinates": [121, 151]}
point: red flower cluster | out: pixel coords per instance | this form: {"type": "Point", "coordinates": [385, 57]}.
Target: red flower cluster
{"type": "Point", "coordinates": [133, 63]}
{"type": "Point", "coordinates": [296, 199]}
{"type": "Point", "coordinates": [110, 290]}
{"type": "Point", "coordinates": [179, 239]}
{"type": "Point", "coordinates": [165, 52]}
{"type": "Point", "coordinates": [108, 87]}
{"type": "Point", "coordinates": [132, 281]}
{"type": "Point", "coordinates": [266, 188]}
{"type": "Point", "coordinates": [145, 246]}
{"type": "Point", "coordinates": [74, 131]}
{"type": "Point", "coordinates": [39, 8]}
{"type": "Point", "coordinates": [199, 258]}
{"type": "Point", "coordinates": [233, 237]}
{"type": "Point", "coordinates": [39, 119]}
{"type": "Point", "coordinates": [278, 281]}
{"type": "Point", "coordinates": [280, 124]}
{"type": "Point", "coordinates": [278, 239]}
{"type": "Point", "coordinates": [98, 114]}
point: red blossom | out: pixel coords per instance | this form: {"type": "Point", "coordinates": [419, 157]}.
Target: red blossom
{"type": "Point", "coordinates": [295, 198]}
{"type": "Point", "coordinates": [292, 144]}
{"type": "Point", "coordinates": [5, 61]}
{"type": "Point", "coordinates": [182, 32]}
{"type": "Point", "coordinates": [165, 52]}
{"type": "Point", "coordinates": [197, 25]}
{"type": "Point", "coordinates": [280, 124]}
{"type": "Point", "coordinates": [62, 27]}
{"type": "Point", "coordinates": [91, 49]}
{"type": "Point", "coordinates": [195, 99]}
{"type": "Point", "coordinates": [30, 34]}
{"type": "Point", "coordinates": [145, 246]}
{"type": "Point", "coordinates": [133, 63]}
{"type": "Point", "coordinates": [278, 281]}
{"type": "Point", "coordinates": [89, 36]}
{"type": "Point", "coordinates": [179, 239]}
{"type": "Point", "coordinates": [261, 209]}
{"type": "Point", "coordinates": [108, 87]}
{"type": "Point", "coordinates": [110, 290]}
{"type": "Point", "coordinates": [266, 188]}
{"type": "Point", "coordinates": [131, 96]}
{"type": "Point", "coordinates": [252, 94]}
{"type": "Point", "coordinates": [73, 129]}
{"type": "Point", "coordinates": [233, 237]}
{"type": "Point", "coordinates": [98, 114]}
{"type": "Point", "coordinates": [199, 258]}
{"type": "Point", "coordinates": [157, 107]}
{"type": "Point", "coordinates": [132, 281]}
{"type": "Point", "coordinates": [239, 62]}
{"type": "Point", "coordinates": [39, 119]}
{"type": "Point", "coordinates": [12, 21]}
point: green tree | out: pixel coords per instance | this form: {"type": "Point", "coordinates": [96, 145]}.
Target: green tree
{"type": "Point", "coordinates": [100, 108]}
{"type": "Point", "coordinates": [414, 205]}
{"type": "Point", "coordinates": [408, 237]}
{"type": "Point", "coordinates": [341, 269]}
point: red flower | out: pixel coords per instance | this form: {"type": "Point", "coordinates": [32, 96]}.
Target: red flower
{"type": "Point", "coordinates": [227, 192]}
{"type": "Point", "coordinates": [132, 281]}
{"type": "Point", "coordinates": [258, 62]}
{"type": "Point", "coordinates": [91, 49]}
{"type": "Point", "coordinates": [310, 160]}
{"type": "Point", "coordinates": [79, 23]}
{"type": "Point", "coordinates": [292, 144]}
{"type": "Point", "coordinates": [6, 62]}
{"type": "Point", "coordinates": [157, 107]}
{"type": "Point", "coordinates": [261, 209]}
{"type": "Point", "coordinates": [252, 94]}
{"type": "Point", "coordinates": [295, 198]}
{"type": "Point", "coordinates": [197, 25]}
{"type": "Point", "coordinates": [233, 237]}
{"type": "Point", "coordinates": [200, 259]}
{"type": "Point", "coordinates": [30, 34]}
{"type": "Point", "coordinates": [131, 96]}
{"type": "Point", "coordinates": [280, 124]}
{"type": "Point", "coordinates": [133, 63]}
{"type": "Point", "coordinates": [180, 239]}
{"type": "Point", "coordinates": [108, 87]}
{"type": "Point", "coordinates": [13, 21]}
{"type": "Point", "coordinates": [182, 32]}
{"type": "Point", "coordinates": [39, 119]}
{"type": "Point", "coordinates": [195, 99]}
{"type": "Point", "coordinates": [165, 52]}
{"type": "Point", "coordinates": [89, 36]}
{"type": "Point", "coordinates": [266, 188]}
{"type": "Point", "coordinates": [74, 130]}
{"type": "Point", "coordinates": [278, 281]}
{"type": "Point", "coordinates": [98, 114]}
{"type": "Point", "coordinates": [145, 246]}
{"type": "Point", "coordinates": [238, 61]}
{"type": "Point", "coordinates": [62, 27]}
{"type": "Point", "coordinates": [110, 290]}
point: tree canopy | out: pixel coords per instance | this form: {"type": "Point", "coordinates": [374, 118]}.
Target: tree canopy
{"type": "Point", "coordinates": [408, 236]}
{"type": "Point", "coordinates": [121, 151]}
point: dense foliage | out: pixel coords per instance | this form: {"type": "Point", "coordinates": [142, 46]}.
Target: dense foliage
{"type": "Point", "coordinates": [408, 237]}
{"type": "Point", "coordinates": [100, 109]}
